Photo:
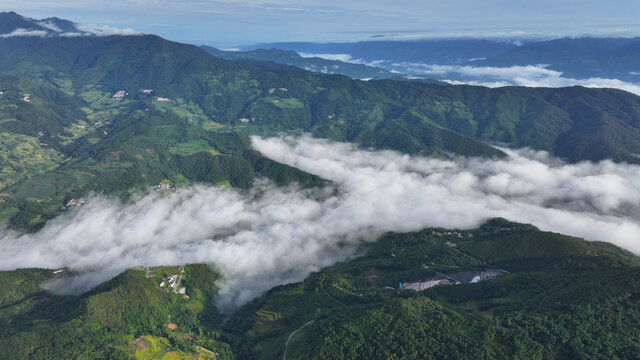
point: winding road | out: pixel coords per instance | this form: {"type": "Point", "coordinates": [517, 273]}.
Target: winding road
{"type": "Point", "coordinates": [286, 345]}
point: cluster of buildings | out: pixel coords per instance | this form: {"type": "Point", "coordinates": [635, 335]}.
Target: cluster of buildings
{"type": "Point", "coordinates": [172, 281]}
{"type": "Point", "coordinates": [146, 91]}
{"type": "Point", "coordinates": [162, 99]}
{"type": "Point", "coordinates": [163, 186]}
{"type": "Point", "coordinates": [457, 234]}
{"type": "Point", "coordinates": [469, 277]}
{"type": "Point", "coordinates": [74, 202]}
{"type": "Point", "coordinates": [272, 90]}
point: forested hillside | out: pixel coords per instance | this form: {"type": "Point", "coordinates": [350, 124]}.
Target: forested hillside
{"type": "Point", "coordinates": [559, 297]}
{"type": "Point", "coordinates": [554, 297]}
{"type": "Point", "coordinates": [575, 123]}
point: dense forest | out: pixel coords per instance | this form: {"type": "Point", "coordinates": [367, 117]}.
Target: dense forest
{"type": "Point", "coordinates": [568, 299]}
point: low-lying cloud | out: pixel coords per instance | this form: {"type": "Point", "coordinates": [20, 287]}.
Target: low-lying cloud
{"type": "Point", "coordinates": [268, 235]}
{"type": "Point", "coordinates": [105, 30]}
{"type": "Point", "coordinates": [21, 32]}
{"type": "Point", "coordinates": [338, 57]}
{"type": "Point", "coordinates": [529, 75]}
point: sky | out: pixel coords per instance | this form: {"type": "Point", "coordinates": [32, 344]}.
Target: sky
{"type": "Point", "coordinates": [230, 23]}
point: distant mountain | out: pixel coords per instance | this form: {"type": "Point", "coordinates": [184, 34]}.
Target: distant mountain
{"type": "Point", "coordinates": [616, 58]}
{"type": "Point", "coordinates": [579, 58]}
{"type": "Point", "coordinates": [423, 51]}
{"type": "Point", "coordinates": [15, 25]}
{"type": "Point", "coordinates": [315, 64]}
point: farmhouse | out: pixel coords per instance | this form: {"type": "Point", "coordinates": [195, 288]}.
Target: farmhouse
{"type": "Point", "coordinates": [120, 94]}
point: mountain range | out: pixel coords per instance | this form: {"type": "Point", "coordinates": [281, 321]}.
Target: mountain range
{"type": "Point", "coordinates": [15, 25]}
{"type": "Point", "coordinates": [579, 58]}
{"type": "Point", "coordinates": [121, 115]}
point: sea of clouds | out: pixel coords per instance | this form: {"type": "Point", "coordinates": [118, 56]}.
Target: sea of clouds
{"type": "Point", "coordinates": [271, 235]}
{"type": "Point", "coordinates": [529, 75]}
{"type": "Point", "coordinates": [538, 75]}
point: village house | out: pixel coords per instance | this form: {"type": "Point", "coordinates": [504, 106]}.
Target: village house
{"type": "Point", "coordinates": [163, 186]}
{"type": "Point", "coordinates": [74, 202]}
{"type": "Point", "coordinates": [120, 94]}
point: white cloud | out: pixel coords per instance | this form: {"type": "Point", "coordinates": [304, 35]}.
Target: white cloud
{"type": "Point", "coordinates": [73, 34]}
{"type": "Point", "coordinates": [529, 75]}
{"type": "Point", "coordinates": [105, 30]}
{"type": "Point", "coordinates": [269, 236]}
{"type": "Point", "coordinates": [24, 32]}
{"type": "Point", "coordinates": [49, 25]}
{"type": "Point", "coordinates": [339, 57]}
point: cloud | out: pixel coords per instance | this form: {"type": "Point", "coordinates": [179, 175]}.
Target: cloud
{"type": "Point", "coordinates": [49, 25]}
{"type": "Point", "coordinates": [339, 57]}
{"type": "Point", "coordinates": [105, 30]}
{"type": "Point", "coordinates": [529, 75]}
{"type": "Point", "coordinates": [24, 32]}
{"type": "Point", "coordinates": [267, 236]}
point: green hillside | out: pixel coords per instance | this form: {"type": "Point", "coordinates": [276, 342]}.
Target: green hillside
{"type": "Point", "coordinates": [569, 299]}
{"type": "Point", "coordinates": [575, 123]}
{"type": "Point", "coordinates": [558, 297]}
{"type": "Point", "coordinates": [129, 315]}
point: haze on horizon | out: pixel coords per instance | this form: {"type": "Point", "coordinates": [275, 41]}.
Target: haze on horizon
{"type": "Point", "coordinates": [225, 23]}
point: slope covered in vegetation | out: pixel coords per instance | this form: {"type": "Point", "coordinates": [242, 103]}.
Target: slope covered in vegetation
{"type": "Point", "coordinates": [556, 297]}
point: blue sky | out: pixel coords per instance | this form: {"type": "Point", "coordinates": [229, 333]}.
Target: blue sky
{"type": "Point", "coordinates": [228, 23]}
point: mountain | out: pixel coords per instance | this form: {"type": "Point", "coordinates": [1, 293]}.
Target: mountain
{"type": "Point", "coordinates": [444, 52]}
{"type": "Point", "coordinates": [15, 25]}
{"type": "Point", "coordinates": [115, 113]}
{"type": "Point", "coordinates": [578, 58]}
{"type": "Point", "coordinates": [613, 58]}
{"type": "Point", "coordinates": [315, 64]}
{"type": "Point", "coordinates": [100, 323]}
{"type": "Point", "coordinates": [546, 288]}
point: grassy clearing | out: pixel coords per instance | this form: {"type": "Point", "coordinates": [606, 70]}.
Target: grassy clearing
{"type": "Point", "coordinates": [192, 147]}
{"type": "Point", "coordinates": [23, 156]}
{"type": "Point", "coordinates": [288, 103]}
{"type": "Point", "coordinates": [160, 348]}
{"type": "Point", "coordinates": [269, 315]}
{"type": "Point", "coordinates": [76, 131]}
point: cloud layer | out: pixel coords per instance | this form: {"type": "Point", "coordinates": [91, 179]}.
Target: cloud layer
{"type": "Point", "coordinates": [529, 75]}
{"type": "Point", "coordinates": [269, 236]}
{"type": "Point", "coordinates": [24, 32]}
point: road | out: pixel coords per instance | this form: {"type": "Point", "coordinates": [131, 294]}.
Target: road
{"type": "Point", "coordinates": [286, 345]}
{"type": "Point", "coordinates": [209, 351]}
